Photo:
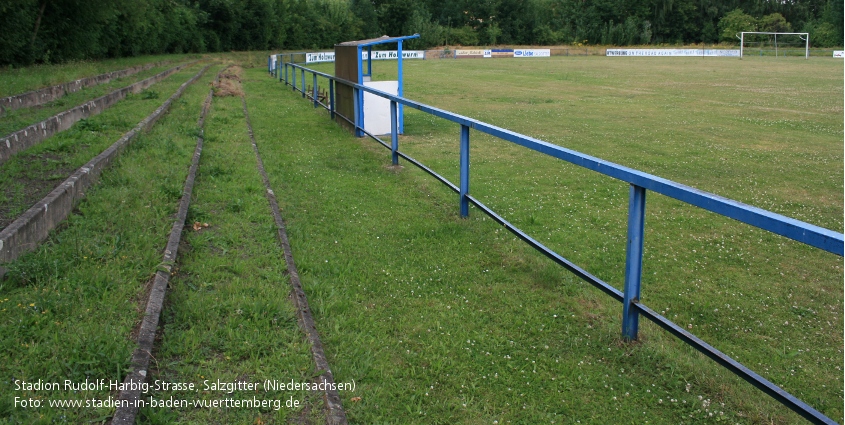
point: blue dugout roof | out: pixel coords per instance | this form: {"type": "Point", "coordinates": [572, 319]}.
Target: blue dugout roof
{"type": "Point", "coordinates": [380, 40]}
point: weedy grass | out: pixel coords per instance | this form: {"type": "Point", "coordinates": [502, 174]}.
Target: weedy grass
{"type": "Point", "coordinates": [229, 316]}
{"type": "Point", "coordinates": [30, 175]}
{"type": "Point", "coordinates": [439, 318]}
{"type": "Point", "coordinates": [68, 309]}
{"type": "Point", "coordinates": [16, 119]}
{"type": "Point", "coordinates": [15, 81]}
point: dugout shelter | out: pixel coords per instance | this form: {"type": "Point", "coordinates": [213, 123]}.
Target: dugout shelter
{"type": "Point", "coordinates": [349, 65]}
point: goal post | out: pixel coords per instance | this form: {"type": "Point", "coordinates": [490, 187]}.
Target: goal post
{"type": "Point", "coordinates": [772, 37]}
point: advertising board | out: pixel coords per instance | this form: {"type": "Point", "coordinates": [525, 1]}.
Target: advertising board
{"type": "Point", "coordinates": [674, 52]}
{"type": "Point", "coordinates": [377, 55]}
{"type": "Point", "coordinates": [532, 53]}
{"type": "Point", "coordinates": [474, 53]}
{"type": "Point", "coordinates": [501, 53]}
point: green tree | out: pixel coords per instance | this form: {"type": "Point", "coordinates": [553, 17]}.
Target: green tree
{"type": "Point", "coordinates": [365, 10]}
{"type": "Point", "coordinates": [733, 23]}
{"type": "Point", "coordinates": [17, 18]}
{"type": "Point", "coordinates": [774, 22]}
{"type": "Point", "coordinates": [431, 33]}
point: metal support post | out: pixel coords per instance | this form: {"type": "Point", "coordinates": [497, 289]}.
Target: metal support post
{"type": "Point", "coordinates": [807, 47]}
{"type": "Point", "coordinates": [464, 201]}
{"type": "Point", "coordinates": [633, 262]}
{"type": "Point", "coordinates": [394, 136]}
{"type": "Point", "coordinates": [331, 97]}
{"type": "Point", "coordinates": [776, 45]}
{"type": "Point", "coordinates": [293, 74]}
{"type": "Point", "coordinates": [401, 89]}
{"type": "Point", "coordinates": [369, 62]}
{"type": "Point", "coordinates": [361, 113]}
{"type": "Point", "coordinates": [314, 92]}
{"type": "Point", "coordinates": [303, 82]}
{"type": "Point", "coordinates": [356, 94]}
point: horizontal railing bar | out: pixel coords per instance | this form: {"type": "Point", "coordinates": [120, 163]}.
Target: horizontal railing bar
{"type": "Point", "coordinates": [806, 233]}
{"type": "Point", "coordinates": [737, 368]}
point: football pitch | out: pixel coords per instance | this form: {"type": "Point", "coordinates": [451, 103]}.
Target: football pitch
{"type": "Point", "coordinates": [763, 131]}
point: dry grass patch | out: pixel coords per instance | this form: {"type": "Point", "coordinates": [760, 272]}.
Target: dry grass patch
{"type": "Point", "coordinates": [229, 83]}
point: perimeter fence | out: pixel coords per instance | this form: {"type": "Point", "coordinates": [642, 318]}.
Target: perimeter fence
{"type": "Point", "coordinates": [640, 183]}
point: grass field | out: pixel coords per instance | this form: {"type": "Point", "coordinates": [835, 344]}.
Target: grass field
{"type": "Point", "coordinates": [438, 319]}
{"type": "Point", "coordinates": [763, 131]}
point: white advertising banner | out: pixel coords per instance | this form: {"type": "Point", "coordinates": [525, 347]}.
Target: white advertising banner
{"type": "Point", "coordinates": [673, 52]}
{"type": "Point", "coordinates": [319, 57]}
{"type": "Point", "coordinates": [532, 53]}
{"type": "Point", "coordinates": [377, 55]}
{"type": "Point", "coordinates": [393, 54]}
{"type": "Point", "coordinates": [478, 53]}
{"type": "Point", "coordinates": [839, 53]}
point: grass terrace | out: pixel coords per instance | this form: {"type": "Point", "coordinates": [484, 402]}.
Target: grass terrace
{"type": "Point", "coordinates": [15, 81]}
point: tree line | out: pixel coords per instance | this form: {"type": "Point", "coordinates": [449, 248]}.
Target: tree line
{"type": "Point", "coordinates": [45, 31]}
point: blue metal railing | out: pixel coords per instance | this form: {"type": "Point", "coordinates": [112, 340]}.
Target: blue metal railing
{"type": "Point", "coordinates": [639, 182]}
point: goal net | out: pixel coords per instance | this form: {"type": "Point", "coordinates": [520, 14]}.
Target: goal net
{"type": "Point", "coordinates": [774, 44]}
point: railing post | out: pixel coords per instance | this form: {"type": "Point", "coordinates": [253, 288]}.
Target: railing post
{"type": "Point", "coordinates": [286, 73]}
{"type": "Point", "coordinates": [633, 262]}
{"type": "Point", "coordinates": [464, 171]}
{"type": "Point", "coordinates": [331, 97]}
{"type": "Point", "coordinates": [314, 92]}
{"type": "Point", "coordinates": [293, 74]}
{"type": "Point", "coordinates": [401, 91]}
{"type": "Point", "coordinates": [356, 93]}
{"type": "Point", "coordinates": [360, 123]}
{"type": "Point", "coordinates": [303, 82]}
{"type": "Point", "coordinates": [394, 136]}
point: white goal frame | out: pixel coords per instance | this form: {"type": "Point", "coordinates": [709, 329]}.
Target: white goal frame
{"type": "Point", "coordinates": [806, 39]}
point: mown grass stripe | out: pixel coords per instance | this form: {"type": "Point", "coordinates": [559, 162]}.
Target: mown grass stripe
{"type": "Point", "coordinates": [126, 412]}
{"type": "Point", "coordinates": [33, 226]}
{"type": "Point", "coordinates": [334, 407]}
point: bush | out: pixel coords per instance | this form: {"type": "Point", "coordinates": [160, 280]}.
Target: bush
{"type": "Point", "coordinates": [463, 36]}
